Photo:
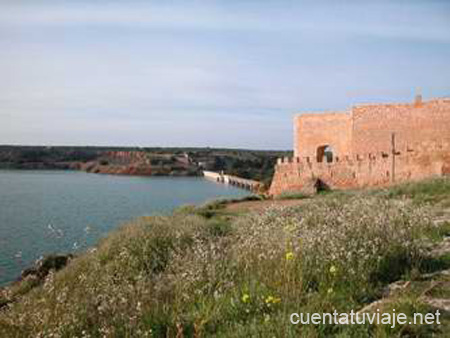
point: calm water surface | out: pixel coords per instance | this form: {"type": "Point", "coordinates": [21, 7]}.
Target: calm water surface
{"type": "Point", "coordinates": [44, 212]}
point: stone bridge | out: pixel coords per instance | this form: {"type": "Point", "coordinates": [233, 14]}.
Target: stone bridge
{"type": "Point", "coordinates": [232, 180]}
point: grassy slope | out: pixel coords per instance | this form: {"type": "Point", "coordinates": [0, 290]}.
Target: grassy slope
{"type": "Point", "coordinates": [206, 272]}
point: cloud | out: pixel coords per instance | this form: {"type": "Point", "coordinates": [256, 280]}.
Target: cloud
{"type": "Point", "coordinates": [423, 20]}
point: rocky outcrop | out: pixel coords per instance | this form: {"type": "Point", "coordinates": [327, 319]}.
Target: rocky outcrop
{"type": "Point", "coordinates": [42, 267]}
{"type": "Point", "coordinates": [117, 169]}
{"type": "Point", "coordinates": [32, 277]}
{"type": "Point", "coordinates": [139, 163]}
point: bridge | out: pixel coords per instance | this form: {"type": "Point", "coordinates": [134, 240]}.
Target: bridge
{"type": "Point", "coordinates": [232, 180]}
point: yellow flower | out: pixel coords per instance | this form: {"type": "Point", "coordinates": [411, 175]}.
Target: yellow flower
{"type": "Point", "coordinates": [245, 298]}
{"type": "Point", "coordinates": [333, 270]}
{"type": "Point", "coordinates": [330, 290]}
{"type": "Point", "coordinates": [269, 299]}
{"type": "Point", "coordinates": [272, 300]}
{"type": "Point", "coordinates": [289, 256]}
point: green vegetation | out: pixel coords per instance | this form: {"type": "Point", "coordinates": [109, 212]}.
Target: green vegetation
{"type": "Point", "coordinates": [427, 191]}
{"type": "Point", "coordinates": [206, 272]}
{"type": "Point", "coordinates": [291, 196]}
{"type": "Point", "coordinates": [28, 157]}
{"type": "Point", "coordinates": [216, 207]}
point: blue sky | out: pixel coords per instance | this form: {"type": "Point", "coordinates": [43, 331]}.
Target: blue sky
{"type": "Point", "coordinates": [208, 73]}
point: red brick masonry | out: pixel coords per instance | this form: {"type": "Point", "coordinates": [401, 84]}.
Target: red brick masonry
{"type": "Point", "coordinates": [372, 145]}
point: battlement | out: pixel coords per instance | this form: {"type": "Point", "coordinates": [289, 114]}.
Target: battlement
{"type": "Point", "coordinates": [410, 151]}
{"type": "Point", "coordinates": [342, 159]}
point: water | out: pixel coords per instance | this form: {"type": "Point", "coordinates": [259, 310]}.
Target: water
{"type": "Point", "coordinates": [44, 212]}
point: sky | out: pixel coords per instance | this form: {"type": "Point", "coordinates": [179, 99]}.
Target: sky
{"type": "Point", "coordinates": [226, 73]}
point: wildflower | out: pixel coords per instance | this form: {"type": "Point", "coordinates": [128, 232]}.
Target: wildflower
{"type": "Point", "coordinates": [245, 298]}
{"type": "Point", "coordinates": [272, 300]}
{"type": "Point", "coordinates": [289, 256]}
{"type": "Point", "coordinates": [330, 291]}
{"type": "Point", "coordinates": [269, 299]}
{"type": "Point", "coordinates": [333, 270]}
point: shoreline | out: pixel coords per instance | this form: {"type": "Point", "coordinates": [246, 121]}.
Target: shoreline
{"type": "Point", "coordinates": [102, 202]}
{"type": "Point", "coordinates": [45, 262]}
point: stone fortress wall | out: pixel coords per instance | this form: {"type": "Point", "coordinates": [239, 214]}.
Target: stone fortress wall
{"type": "Point", "coordinates": [371, 145]}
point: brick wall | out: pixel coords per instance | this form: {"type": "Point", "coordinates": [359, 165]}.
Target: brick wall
{"type": "Point", "coordinates": [361, 171]}
{"type": "Point", "coordinates": [372, 125]}
{"type": "Point", "coordinates": [362, 147]}
{"type": "Point", "coordinates": [314, 130]}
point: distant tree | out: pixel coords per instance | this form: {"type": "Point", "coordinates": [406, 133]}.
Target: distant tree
{"type": "Point", "coordinates": [219, 163]}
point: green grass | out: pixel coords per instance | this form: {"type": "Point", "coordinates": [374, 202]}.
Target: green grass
{"type": "Point", "coordinates": [427, 191]}
{"type": "Point", "coordinates": [215, 208]}
{"type": "Point", "coordinates": [200, 273]}
{"type": "Point", "coordinates": [291, 196]}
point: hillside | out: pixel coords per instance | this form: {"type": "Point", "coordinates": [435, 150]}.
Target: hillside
{"type": "Point", "coordinates": [215, 270]}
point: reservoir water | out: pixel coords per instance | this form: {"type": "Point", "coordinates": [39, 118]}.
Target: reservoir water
{"type": "Point", "coordinates": [43, 212]}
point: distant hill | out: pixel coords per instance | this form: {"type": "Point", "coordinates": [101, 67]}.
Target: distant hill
{"type": "Point", "coordinates": [252, 164]}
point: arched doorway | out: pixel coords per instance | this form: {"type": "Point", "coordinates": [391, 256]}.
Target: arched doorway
{"type": "Point", "coordinates": [325, 153]}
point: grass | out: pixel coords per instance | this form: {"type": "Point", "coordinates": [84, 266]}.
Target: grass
{"type": "Point", "coordinates": [291, 196]}
{"type": "Point", "coordinates": [214, 208]}
{"type": "Point", "coordinates": [200, 273]}
{"type": "Point", "coordinates": [427, 191]}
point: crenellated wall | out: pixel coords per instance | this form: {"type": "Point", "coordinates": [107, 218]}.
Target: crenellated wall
{"type": "Point", "coordinates": [363, 152]}
{"type": "Point", "coordinates": [361, 171]}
